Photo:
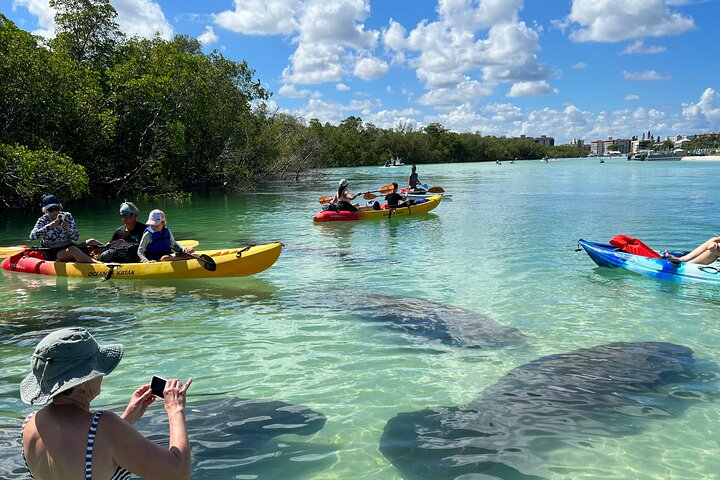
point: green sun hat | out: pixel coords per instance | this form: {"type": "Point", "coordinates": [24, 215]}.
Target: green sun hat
{"type": "Point", "coordinates": [64, 359]}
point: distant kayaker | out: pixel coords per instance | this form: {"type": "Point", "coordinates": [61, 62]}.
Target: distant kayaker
{"type": "Point", "coordinates": [57, 232]}
{"type": "Point", "coordinates": [343, 198]}
{"type": "Point", "coordinates": [67, 440]}
{"type": "Point", "coordinates": [395, 200]}
{"type": "Point", "coordinates": [158, 242]}
{"type": "Point", "coordinates": [413, 180]}
{"type": "Point", "coordinates": [705, 254]}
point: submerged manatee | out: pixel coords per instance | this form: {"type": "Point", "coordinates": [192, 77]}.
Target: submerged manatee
{"type": "Point", "coordinates": [231, 438]}
{"type": "Point", "coordinates": [447, 324]}
{"type": "Point", "coordinates": [557, 401]}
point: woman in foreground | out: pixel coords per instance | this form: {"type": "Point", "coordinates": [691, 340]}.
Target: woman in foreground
{"type": "Point", "coordinates": [66, 440]}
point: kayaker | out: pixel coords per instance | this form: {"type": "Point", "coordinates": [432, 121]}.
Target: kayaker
{"type": "Point", "coordinates": [705, 254]}
{"type": "Point", "coordinates": [57, 232]}
{"type": "Point", "coordinates": [65, 440]}
{"type": "Point", "coordinates": [158, 242]}
{"type": "Point", "coordinates": [413, 180]}
{"type": "Point", "coordinates": [343, 198]}
{"type": "Point", "coordinates": [126, 239]}
{"type": "Point", "coordinates": [395, 200]}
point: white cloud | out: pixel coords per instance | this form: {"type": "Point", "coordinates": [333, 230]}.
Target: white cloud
{"type": "Point", "coordinates": [290, 91]}
{"type": "Point", "coordinates": [631, 98]}
{"type": "Point", "coordinates": [329, 32]}
{"type": "Point", "coordinates": [370, 68]}
{"type": "Point", "coordinates": [639, 47]}
{"type": "Point", "coordinates": [394, 36]}
{"type": "Point", "coordinates": [463, 14]}
{"type": "Point", "coordinates": [651, 75]}
{"type": "Point", "coordinates": [579, 66]}
{"type": "Point", "coordinates": [705, 113]}
{"type": "Point", "coordinates": [616, 20]}
{"type": "Point", "coordinates": [341, 87]}
{"type": "Point", "coordinates": [143, 18]}
{"type": "Point", "coordinates": [261, 17]}
{"type": "Point", "coordinates": [466, 92]}
{"type": "Point", "coordinates": [531, 89]}
{"type": "Point", "coordinates": [44, 14]}
{"type": "Point", "coordinates": [208, 37]}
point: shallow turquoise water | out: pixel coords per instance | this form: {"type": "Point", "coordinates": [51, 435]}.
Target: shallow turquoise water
{"type": "Point", "coordinates": [503, 247]}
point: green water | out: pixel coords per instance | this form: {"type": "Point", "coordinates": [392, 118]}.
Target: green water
{"type": "Point", "coordinates": [503, 247]}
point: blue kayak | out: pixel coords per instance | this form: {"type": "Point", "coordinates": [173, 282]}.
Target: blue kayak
{"type": "Point", "coordinates": [606, 255]}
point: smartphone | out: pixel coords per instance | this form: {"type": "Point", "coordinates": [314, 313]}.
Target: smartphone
{"type": "Point", "coordinates": [157, 385]}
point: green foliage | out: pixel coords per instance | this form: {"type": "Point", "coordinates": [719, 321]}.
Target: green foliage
{"type": "Point", "coordinates": [29, 174]}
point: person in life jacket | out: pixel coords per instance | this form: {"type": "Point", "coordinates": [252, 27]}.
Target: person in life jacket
{"type": "Point", "coordinates": [157, 243]}
{"type": "Point", "coordinates": [413, 180]}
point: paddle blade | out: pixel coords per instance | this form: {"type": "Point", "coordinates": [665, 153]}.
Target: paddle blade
{"type": "Point", "coordinates": [207, 262]}
{"type": "Point", "coordinates": [369, 196]}
{"type": "Point", "coordinates": [188, 243]}
{"type": "Point", "coordinates": [10, 251]}
{"type": "Point", "coordinates": [436, 190]}
{"type": "Point", "coordinates": [385, 189]}
{"type": "Point", "coordinates": [324, 200]}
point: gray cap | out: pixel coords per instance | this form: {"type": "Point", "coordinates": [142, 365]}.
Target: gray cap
{"type": "Point", "coordinates": [64, 359]}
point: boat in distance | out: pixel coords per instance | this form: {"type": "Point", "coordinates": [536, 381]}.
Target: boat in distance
{"type": "Point", "coordinates": [234, 262]}
{"type": "Point", "coordinates": [367, 213]}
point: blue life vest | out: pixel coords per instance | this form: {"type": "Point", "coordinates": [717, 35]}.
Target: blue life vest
{"type": "Point", "coordinates": [160, 244]}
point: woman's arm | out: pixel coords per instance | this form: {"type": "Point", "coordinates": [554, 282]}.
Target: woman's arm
{"type": "Point", "coordinates": [135, 453]}
{"type": "Point", "coordinates": [40, 228]}
{"type": "Point", "coordinates": [74, 233]}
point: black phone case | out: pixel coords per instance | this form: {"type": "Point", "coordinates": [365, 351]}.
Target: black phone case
{"type": "Point", "coordinates": [157, 385]}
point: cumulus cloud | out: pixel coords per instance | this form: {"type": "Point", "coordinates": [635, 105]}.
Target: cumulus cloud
{"type": "Point", "coordinates": [651, 75]}
{"type": "Point", "coordinates": [260, 17]}
{"type": "Point", "coordinates": [531, 89]}
{"type": "Point", "coordinates": [290, 91]}
{"type": "Point", "coordinates": [370, 68]}
{"type": "Point", "coordinates": [208, 37]}
{"type": "Point", "coordinates": [632, 97]}
{"type": "Point", "coordinates": [639, 47]}
{"type": "Point", "coordinates": [617, 20]}
{"type": "Point", "coordinates": [329, 32]}
{"type": "Point", "coordinates": [579, 66]}
{"type": "Point", "coordinates": [341, 87]}
{"type": "Point", "coordinates": [706, 112]}
{"type": "Point", "coordinates": [466, 92]}
{"type": "Point", "coordinates": [143, 18]}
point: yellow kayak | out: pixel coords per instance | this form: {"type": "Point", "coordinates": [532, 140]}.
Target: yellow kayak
{"type": "Point", "coordinates": [366, 213]}
{"type": "Point", "coordinates": [229, 263]}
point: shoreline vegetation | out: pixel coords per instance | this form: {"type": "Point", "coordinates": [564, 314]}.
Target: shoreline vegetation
{"type": "Point", "coordinates": [94, 114]}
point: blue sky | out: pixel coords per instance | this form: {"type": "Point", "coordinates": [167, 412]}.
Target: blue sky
{"type": "Point", "coordinates": [586, 69]}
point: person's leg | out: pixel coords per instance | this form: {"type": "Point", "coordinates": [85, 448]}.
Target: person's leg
{"type": "Point", "coordinates": [74, 254]}
{"type": "Point", "coordinates": [702, 248]}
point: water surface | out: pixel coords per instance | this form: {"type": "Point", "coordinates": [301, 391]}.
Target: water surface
{"type": "Point", "coordinates": [502, 249]}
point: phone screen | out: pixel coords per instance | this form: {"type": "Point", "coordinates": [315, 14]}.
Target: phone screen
{"type": "Point", "coordinates": [157, 385]}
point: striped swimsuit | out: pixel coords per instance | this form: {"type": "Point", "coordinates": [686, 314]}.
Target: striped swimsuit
{"type": "Point", "coordinates": [120, 473]}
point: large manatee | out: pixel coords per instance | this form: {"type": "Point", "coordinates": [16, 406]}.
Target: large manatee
{"type": "Point", "coordinates": [434, 321]}
{"type": "Point", "coordinates": [556, 401]}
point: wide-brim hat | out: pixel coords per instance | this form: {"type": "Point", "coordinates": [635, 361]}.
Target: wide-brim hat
{"type": "Point", "coordinates": [64, 359]}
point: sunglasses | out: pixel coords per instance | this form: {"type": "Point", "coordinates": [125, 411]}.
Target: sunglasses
{"type": "Point", "coordinates": [53, 209]}
{"type": "Point", "coordinates": [126, 214]}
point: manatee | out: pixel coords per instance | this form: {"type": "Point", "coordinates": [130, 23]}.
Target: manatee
{"type": "Point", "coordinates": [554, 402]}
{"type": "Point", "coordinates": [231, 437]}
{"type": "Point", "coordinates": [434, 321]}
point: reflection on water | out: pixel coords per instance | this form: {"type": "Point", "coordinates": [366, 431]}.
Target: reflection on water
{"type": "Point", "coordinates": [560, 401]}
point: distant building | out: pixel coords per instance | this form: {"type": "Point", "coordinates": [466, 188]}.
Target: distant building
{"type": "Point", "coordinates": [545, 141]}
{"type": "Point", "coordinates": [596, 148]}
{"type": "Point", "coordinates": [621, 145]}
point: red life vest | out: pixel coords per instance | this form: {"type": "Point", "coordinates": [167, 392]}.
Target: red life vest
{"type": "Point", "coordinates": [634, 246]}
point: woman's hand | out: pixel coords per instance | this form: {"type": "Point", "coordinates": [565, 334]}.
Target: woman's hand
{"type": "Point", "coordinates": [139, 401]}
{"type": "Point", "coordinates": [174, 395]}
{"type": "Point", "coordinates": [188, 250]}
